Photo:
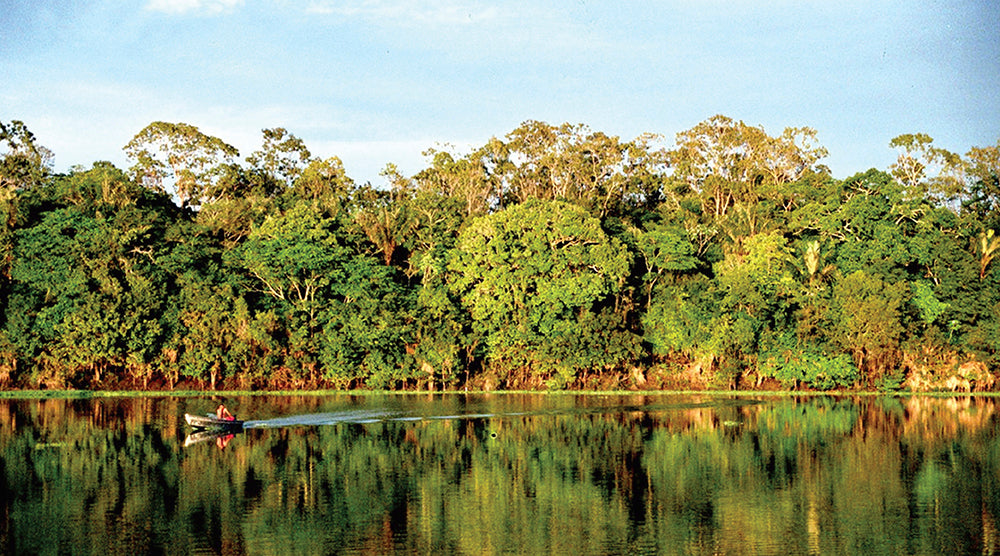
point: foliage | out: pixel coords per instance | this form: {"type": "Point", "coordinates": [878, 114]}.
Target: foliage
{"type": "Point", "coordinates": [529, 276]}
{"type": "Point", "coordinates": [164, 150]}
{"type": "Point", "coordinates": [929, 306]}
{"type": "Point", "coordinates": [811, 368]}
{"type": "Point", "coordinates": [555, 256]}
{"type": "Point", "coordinates": [24, 163]}
{"type": "Point", "coordinates": [678, 319]}
{"type": "Point", "coordinates": [866, 320]}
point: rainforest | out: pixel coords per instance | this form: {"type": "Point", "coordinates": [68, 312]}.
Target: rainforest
{"type": "Point", "coordinates": [553, 257]}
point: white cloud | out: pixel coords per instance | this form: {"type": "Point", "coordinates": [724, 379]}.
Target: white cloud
{"type": "Point", "coordinates": [188, 6]}
{"type": "Point", "coordinates": [409, 12]}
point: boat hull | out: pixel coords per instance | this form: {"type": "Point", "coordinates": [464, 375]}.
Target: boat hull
{"type": "Point", "coordinates": [211, 422]}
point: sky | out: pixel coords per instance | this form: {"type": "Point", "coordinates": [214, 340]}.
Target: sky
{"type": "Point", "coordinates": [381, 81]}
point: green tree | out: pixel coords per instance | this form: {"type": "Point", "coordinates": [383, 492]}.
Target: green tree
{"type": "Point", "coordinates": [529, 276]}
{"type": "Point", "coordinates": [103, 186]}
{"type": "Point", "coordinates": [442, 339]}
{"type": "Point", "coordinates": [926, 171]}
{"type": "Point", "coordinates": [325, 183]}
{"type": "Point", "coordinates": [866, 321]}
{"type": "Point", "coordinates": [181, 152]}
{"type": "Point", "coordinates": [216, 322]}
{"type": "Point", "coordinates": [23, 162]}
{"type": "Point", "coordinates": [105, 334]}
{"type": "Point", "coordinates": [340, 312]}
{"type": "Point", "coordinates": [678, 318]}
{"type": "Point", "coordinates": [242, 196]}
{"type": "Point", "coordinates": [664, 250]}
{"type": "Point", "coordinates": [386, 217]}
{"type": "Point", "coordinates": [282, 156]}
{"type": "Point", "coordinates": [473, 181]}
{"type": "Point", "coordinates": [366, 329]}
{"type": "Point", "coordinates": [536, 160]}
{"type": "Point", "coordinates": [24, 165]}
{"type": "Point", "coordinates": [293, 257]}
{"type": "Point", "coordinates": [573, 163]}
{"type": "Point", "coordinates": [739, 172]}
{"type": "Point", "coordinates": [757, 285]}
{"type": "Point", "coordinates": [809, 301]}
{"type": "Point", "coordinates": [754, 279]}
{"type": "Point", "coordinates": [984, 184]}
{"type": "Point", "coordinates": [987, 247]}
{"type": "Point", "coordinates": [87, 291]}
{"type": "Point", "coordinates": [863, 226]}
{"type": "Point", "coordinates": [238, 200]}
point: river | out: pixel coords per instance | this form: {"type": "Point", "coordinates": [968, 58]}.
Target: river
{"type": "Point", "coordinates": [503, 474]}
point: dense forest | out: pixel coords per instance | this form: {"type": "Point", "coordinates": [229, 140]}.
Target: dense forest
{"type": "Point", "coordinates": [554, 257]}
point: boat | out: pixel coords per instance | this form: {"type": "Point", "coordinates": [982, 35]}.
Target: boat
{"type": "Point", "coordinates": [212, 422]}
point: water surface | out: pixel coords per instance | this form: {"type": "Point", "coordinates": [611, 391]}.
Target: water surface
{"type": "Point", "coordinates": [492, 474]}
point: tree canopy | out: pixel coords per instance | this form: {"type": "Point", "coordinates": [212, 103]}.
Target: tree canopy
{"type": "Point", "coordinates": [554, 256]}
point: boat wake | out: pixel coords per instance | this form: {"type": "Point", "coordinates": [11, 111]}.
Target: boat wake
{"type": "Point", "coordinates": [365, 416]}
{"type": "Point", "coordinates": [314, 419]}
{"type": "Point", "coordinates": [381, 415]}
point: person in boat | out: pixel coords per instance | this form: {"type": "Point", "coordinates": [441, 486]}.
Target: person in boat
{"type": "Point", "coordinates": [223, 414]}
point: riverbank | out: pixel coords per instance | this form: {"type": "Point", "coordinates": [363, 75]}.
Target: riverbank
{"type": "Point", "coordinates": [225, 394]}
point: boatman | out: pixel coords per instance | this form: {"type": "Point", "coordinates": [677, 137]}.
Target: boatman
{"type": "Point", "coordinates": [222, 413]}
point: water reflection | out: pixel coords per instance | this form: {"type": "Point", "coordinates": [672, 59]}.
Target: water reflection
{"type": "Point", "coordinates": [491, 474]}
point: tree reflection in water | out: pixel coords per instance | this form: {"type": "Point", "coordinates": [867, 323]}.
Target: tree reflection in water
{"type": "Point", "coordinates": [504, 473]}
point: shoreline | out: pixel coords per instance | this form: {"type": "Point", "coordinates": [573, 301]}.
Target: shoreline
{"type": "Point", "coordinates": [85, 394]}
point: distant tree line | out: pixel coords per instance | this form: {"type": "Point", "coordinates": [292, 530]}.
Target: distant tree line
{"type": "Point", "coordinates": [554, 257]}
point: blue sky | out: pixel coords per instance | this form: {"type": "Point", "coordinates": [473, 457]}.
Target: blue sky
{"type": "Point", "coordinates": [380, 81]}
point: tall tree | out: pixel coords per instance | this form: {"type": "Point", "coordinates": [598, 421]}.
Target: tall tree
{"type": "Point", "coordinates": [472, 180]}
{"type": "Point", "coordinates": [984, 184]}
{"type": "Point", "coordinates": [282, 155]}
{"type": "Point", "coordinates": [866, 321]}
{"type": "Point", "coordinates": [572, 163]}
{"type": "Point", "coordinates": [385, 216]}
{"type": "Point", "coordinates": [532, 277]}
{"type": "Point", "coordinates": [927, 171]}
{"type": "Point", "coordinates": [23, 162]}
{"type": "Point", "coordinates": [193, 160]}
{"type": "Point", "coordinates": [293, 257]}
{"type": "Point", "coordinates": [24, 165]}
{"type": "Point", "coordinates": [326, 184]}
{"type": "Point", "coordinates": [733, 167]}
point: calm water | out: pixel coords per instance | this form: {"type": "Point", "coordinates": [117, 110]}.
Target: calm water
{"type": "Point", "coordinates": [491, 474]}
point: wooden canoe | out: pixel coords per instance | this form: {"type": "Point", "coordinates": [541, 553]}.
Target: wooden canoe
{"type": "Point", "coordinates": [211, 422]}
